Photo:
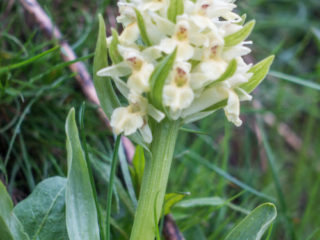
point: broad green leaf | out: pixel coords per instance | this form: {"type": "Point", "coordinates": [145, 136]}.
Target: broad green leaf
{"type": "Point", "coordinates": [113, 48]}
{"type": "Point", "coordinates": [231, 69]}
{"type": "Point", "coordinates": [81, 212]}
{"type": "Point", "coordinates": [260, 70]}
{"type": "Point", "coordinates": [142, 28]}
{"type": "Point", "coordinates": [107, 97]}
{"type": "Point", "coordinates": [253, 226]}
{"type": "Point", "coordinates": [11, 227]}
{"type": "Point", "coordinates": [5, 233]}
{"type": "Point", "coordinates": [175, 9]}
{"type": "Point", "coordinates": [170, 199]}
{"type": "Point", "coordinates": [43, 212]}
{"type": "Point", "coordinates": [239, 36]}
{"type": "Point", "coordinates": [158, 78]}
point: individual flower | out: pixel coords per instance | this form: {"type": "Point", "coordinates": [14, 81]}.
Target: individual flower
{"type": "Point", "coordinates": [180, 39]}
{"type": "Point", "coordinates": [134, 65]}
{"type": "Point", "coordinates": [177, 94]}
{"type": "Point", "coordinates": [134, 117]}
{"type": "Point", "coordinates": [128, 119]}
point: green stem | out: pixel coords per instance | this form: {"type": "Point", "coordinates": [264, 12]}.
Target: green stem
{"type": "Point", "coordinates": [154, 181]}
{"type": "Point", "coordinates": [110, 189]}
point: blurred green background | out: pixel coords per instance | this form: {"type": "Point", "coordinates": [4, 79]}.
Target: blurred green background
{"type": "Point", "coordinates": [275, 154]}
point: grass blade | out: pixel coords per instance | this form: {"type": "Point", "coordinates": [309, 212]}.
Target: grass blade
{"type": "Point", "coordinates": [111, 180]}
{"type": "Point", "coordinates": [296, 80]}
{"type": "Point", "coordinates": [28, 61]}
{"type": "Point", "coordinates": [227, 176]}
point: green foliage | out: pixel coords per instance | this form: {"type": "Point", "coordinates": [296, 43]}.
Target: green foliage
{"type": "Point", "coordinates": [171, 199]}
{"type": "Point", "coordinates": [81, 211]}
{"type": "Point", "coordinates": [103, 85]}
{"type": "Point", "coordinates": [113, 48]}
{"type": "Point", "coordinates": [228, 73]}
{"type": "Point", "coordinates": [158, 78]}
{"type": "Point", "coordinates": [137, 169]}
{"type": "Point", "coordinates": [259, 72]}
{"type": "Point", "coordinates": [37, 97]}
{"type": "Point", "coordinates": [11, 227]}
{"type": "Point", "coordinates": [28, 61]}
{"type": "Point", "coordinates": [142, 28]}
{"type": "Point", "coordinates": [43, 212]}
{"type": "Point", "coordinates": [239, 36]}
{"type": "Point", "coordinates": [175, 9]}
{"type": "Point", "coordinates": [253, 226]}
{"type": "Point", "coordinates": [111, 180]}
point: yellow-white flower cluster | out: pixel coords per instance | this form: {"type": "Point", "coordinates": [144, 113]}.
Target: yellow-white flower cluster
{"type": "Point", "coordinates": [199, 77]}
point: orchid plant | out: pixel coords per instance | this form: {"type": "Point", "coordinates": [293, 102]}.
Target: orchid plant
{"type": "Point", "coordinates": [175, 62]}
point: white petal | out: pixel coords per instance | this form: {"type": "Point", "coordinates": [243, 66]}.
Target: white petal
{"type": "Point", "coordinates": [151, 53]}
{"type": "Point", "coordinates": [130, 34]}
{"type": "Point", "coordinates": [155, 113]}
{"type": "Point", "coordinates": [243, 95]}
{"type": "Point", "coordinates": [197, 116]}
{"type": "Point", "coordinates": [164, 25]}
{"type": "Point", "coordinates": [167, 45]}
{"type": "Point", "coordinates": [146, 133]}
{"type": "Point", "coordinates": [198, 80]}
{"type": "Point", "coordinates": [122, 120]}
{"type": "Point", "coordinates": [232, 110]}
{"type": "Point", "coordinates": [122, 86]}
{"type": "Point", "coordinates": [185, 51]}
{"type": "Point", "coordinates": [119, 70]}
{"type": "Point", "coordinates": [213, 68]}
{"type": "Point", "coordinates": [236, 51]}
{"type": "Point", "coordinates": [177, 98]}
{"type": "Point", "coordinates": [208, 98]}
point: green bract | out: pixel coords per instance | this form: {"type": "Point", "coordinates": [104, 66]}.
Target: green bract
{"type": "Point", "coordinates": [239, 36]}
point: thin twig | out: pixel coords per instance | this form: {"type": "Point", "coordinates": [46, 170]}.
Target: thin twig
{"type": "Point", "coordinates": [86, 83]}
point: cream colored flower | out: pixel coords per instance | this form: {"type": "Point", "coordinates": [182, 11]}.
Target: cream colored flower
{"type": "Point", "coordinates": [154, 5]}
{"type": "Point", "coordinates": [210, 68]}
{"type": "Point", "coordinates": [127, 13]}
{"type": "Point", "coordinates": [198, 83]}
{"type": "Point", "coordinates": [135, 65]}
{"type": "Point", "coordinates": [180, 39]}
{"type": "Point", "coordinates": [177, 94]}
{"type": "Point", "coordinates": [126, 120]}
{"type": "Point", "coordinates": [232, 110]}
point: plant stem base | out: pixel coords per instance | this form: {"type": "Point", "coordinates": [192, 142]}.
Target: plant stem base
{"type": "Point", "coordinates": [154, 181]}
